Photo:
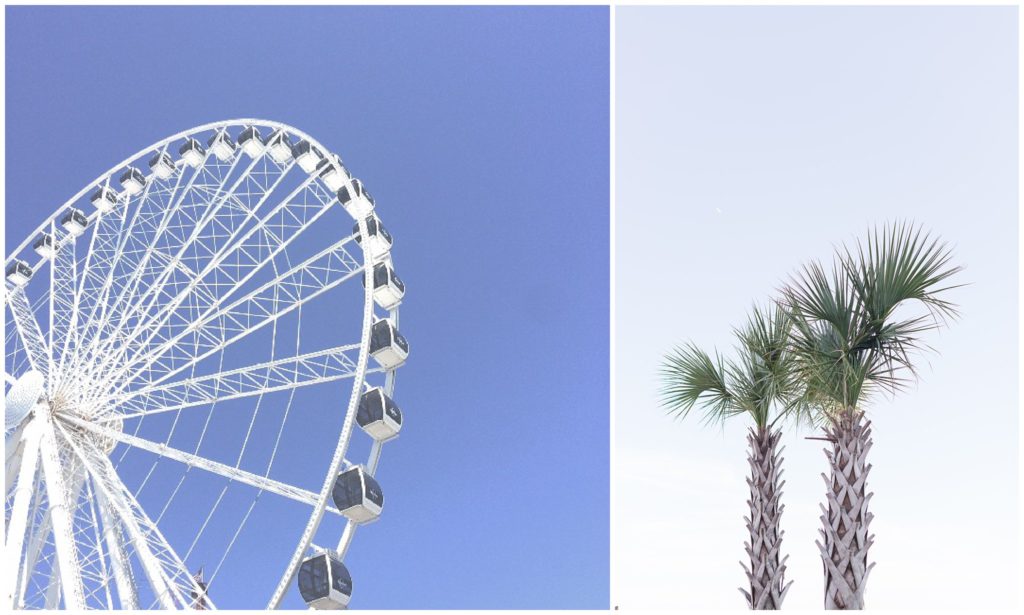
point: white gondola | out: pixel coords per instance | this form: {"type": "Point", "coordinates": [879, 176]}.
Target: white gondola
{"type": "Point", "coordinates": [251, 142]}
{"type": "Point", "coordinates": [379, 415]}
{"type": "Point", "coordinates": [324, 582]}
{"type": "Point", "coordinates": [357, 495]}
{"type": "Point", "coordinates": [280, 146]}
{"type": "Point", "coordinates": [162, 165]}
{"type": "Point", "coordinates": [192, 152]}
{"type": "Point", "coordinates": [388, 288]}
{"type": "Point", "coordinates": [104, 199]}
{"type": "Point", "coordinates": [379, 242]}
{"type": "Point", "coordinates": [332, 172]}
{"type": "Point", "coordinates": [45, 246]}
{"type": "Point", "coordinates": [19, 272]}
{"type": "Point", "coordinates": [356, 199]}
{"type": "Point", "coordinates": [74, 221]}
{"type": "Point", "coordinates": [222, 146]}
{"type": "Point", "coordinates": [307, 156]}
{"type": "Point", "coordinates": [387, 346]}
{"type": "Point", "coordinates": [133, 181]}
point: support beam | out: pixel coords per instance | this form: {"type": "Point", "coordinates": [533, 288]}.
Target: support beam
{"type": "Point", "coordinates": [24, 490]}
{"type": "Point", "coordinates": [77, 480]}
{"type": "Point", "coordinates": [35, 544]}
{"type": "Point", "coordinates": [62, 518]}
{"type": "Point", "coordinates": [97, 536]}
{"type": "Point", "coordinates": [127, 593]}
{"type": "Point", "coordinates": [14, 448]}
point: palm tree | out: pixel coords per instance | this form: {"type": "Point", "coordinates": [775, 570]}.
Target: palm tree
{"type": "Point", "coordinates": [756, 384]}
{"type": "Point", "coordinates": [855, 332]}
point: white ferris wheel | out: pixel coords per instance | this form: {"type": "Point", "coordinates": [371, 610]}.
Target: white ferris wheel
{"type": "Point", "coordinates": [180, 335]}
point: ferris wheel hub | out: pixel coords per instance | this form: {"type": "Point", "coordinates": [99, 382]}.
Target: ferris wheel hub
{"type": "Point", "coordinates": [26, 393]}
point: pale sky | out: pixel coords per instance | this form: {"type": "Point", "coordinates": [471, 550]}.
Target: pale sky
{"type": "Point", "coordinates": [748, 141]}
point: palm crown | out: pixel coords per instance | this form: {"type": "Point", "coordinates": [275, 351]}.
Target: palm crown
{"type": "Point", "coordinates": [758, 382]}
{"type": "Point", "coordinates": [849, 336]}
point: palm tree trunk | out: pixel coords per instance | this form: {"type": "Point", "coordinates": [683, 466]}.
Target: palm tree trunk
{"type": "Point", "coordinates": [845, 521]}
{"type": "Point", "coordinates": [765, 572]}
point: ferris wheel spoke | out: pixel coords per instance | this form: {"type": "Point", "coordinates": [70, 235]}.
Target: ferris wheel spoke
{"type": "Point", "coordinates": [199, 222]}
{"type": "Point", "coordinates": [167, 575]}
{"type": "Point", "coordinates": [104, 244]}
{"type": "Point", "coordinates": [247, 314]}
{"type": "Point", "coordinates": [246, 253]}
{"type": "Point", "coordinates": [16, 356]}
{"type": "Point", "coordinates": [64, 309]}
{"type": "Point", "coordinates": [165, 226]}
{"type": "Point", "coordinates": [109, 364]}
{"type": "Point", "coordinates": [139, 240]}
{"type": "Point", "coordinates": [28, 330]}
{"type": "Point", "coordinates": [147, 209]}
{"type": "Point", "coordinates": [232, 473]}
{"type": "Point", "coordinates": [282, 374]}
{"type": "Point", "coordinates": [244, 258]}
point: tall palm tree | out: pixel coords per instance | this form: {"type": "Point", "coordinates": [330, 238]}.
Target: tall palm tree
{"type": "Point", "coordinates": [757, 383]}
{"type": "Point", "coordinates": [855, 333]}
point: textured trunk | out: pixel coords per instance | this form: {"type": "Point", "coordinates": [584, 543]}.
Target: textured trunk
{"type": "Point", "coordinates": [845, 521]}
{"type": "Point", "coordinates": [765, 572]}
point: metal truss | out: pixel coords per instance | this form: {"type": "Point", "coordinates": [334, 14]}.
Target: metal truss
{"type": "Point", "coordinates": [304, 370]}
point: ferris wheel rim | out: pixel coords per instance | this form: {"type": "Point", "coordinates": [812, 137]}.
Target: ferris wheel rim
{"type": "Point", "coordinates": [358, 380]}
{"type": "Point", "coordinates": [110, 172]}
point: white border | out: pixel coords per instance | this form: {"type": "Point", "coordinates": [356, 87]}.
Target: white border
{"type": "Point", "coordinates": [612, 272]}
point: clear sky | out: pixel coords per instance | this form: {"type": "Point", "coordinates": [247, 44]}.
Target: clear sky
{"type": "Point", "coordinates": [483, 134]}
{"type": "Point", "coordinates": [750, 140]}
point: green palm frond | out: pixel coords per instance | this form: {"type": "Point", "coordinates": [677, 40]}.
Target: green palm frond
{"type": "Point", "coordinates": [691, 376]}
{"type": "Point", "coordinates": [756, 382]}
{"type": "Point", "coordinates": [898, 264]}
{"type": "Point", "coordinates": [847, 340]}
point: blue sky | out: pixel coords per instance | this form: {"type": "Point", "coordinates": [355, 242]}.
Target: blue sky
{"type": "Point", "coordinates": [483, 134]}
{"type": "Point", "coordinates": [750, 140]}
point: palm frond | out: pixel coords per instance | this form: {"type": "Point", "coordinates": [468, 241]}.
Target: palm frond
{"type": "Point", "coordinates": [846, 339]}
{"type": "Point", "coordinates": [755, 382]}
{"type": "Point", "coordinates": [691, 376]}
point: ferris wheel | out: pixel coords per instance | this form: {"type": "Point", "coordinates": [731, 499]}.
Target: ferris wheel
{"type": "Point", "coordinates": [187, 344]}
